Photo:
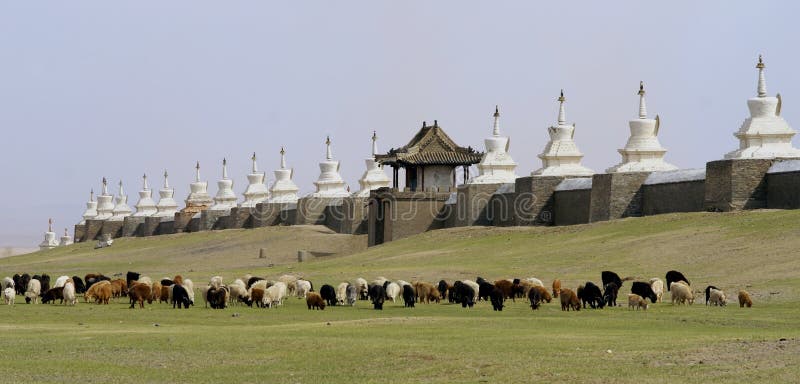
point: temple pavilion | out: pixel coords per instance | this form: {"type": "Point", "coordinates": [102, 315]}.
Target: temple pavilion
{"type": "Point", "coordinates": [430, 160]}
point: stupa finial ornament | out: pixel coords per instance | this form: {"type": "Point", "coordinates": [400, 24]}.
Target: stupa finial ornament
{"type": "Point", "coordinates": [166, 180]}
{"type": "Point", "coordinates": [328, 153]}
{"type": "Point", "coordinates": [121, 191]}
{"type": "Point", "coordinates": [91, 195]}
{"type": "Point", "coordinates": [255, 167]}
{"type": "Point", "coordinates": [374, 143]}
{"type": "Point", "coordinates": [562, 115]}
{"type": "Point", "coordinates": [197, 172]}
{"type": "Point", "coordinates": [105, 186]}
{"type": "Point", "coordinates": [50, 225]}
{"type": "Point", "coordinates": [762, 81]}
{"type": "Point", "coordinates": [283, 158]}
{"type": "Point", "coordinates": [224, 168]}
{"type": "Point", "coordinates": [144, 183]}
{"type": "Point", "coordinates": [496, 126]}
{"type": "Point", "coordinates": [642, 104]}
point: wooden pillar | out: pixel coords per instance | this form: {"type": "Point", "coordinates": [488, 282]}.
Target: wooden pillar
{"type": "Point", "coordinates": [421, 177]}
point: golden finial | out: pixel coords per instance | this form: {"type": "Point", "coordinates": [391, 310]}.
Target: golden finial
{"type": "Point", "coordinates": [254, 157]}
{"type": "Point", "coordinates": [496, 111]}
{"type": "Point", "coordinates": [641, 88]}
{"type": "Point", "coordinates": [561, 98]}
{"type": "Point", "coordinates": [283, 152]}
{"type": "Point", "coordinates": [760, 64]}
{"type": "Point", "coordinates": [328, 140]}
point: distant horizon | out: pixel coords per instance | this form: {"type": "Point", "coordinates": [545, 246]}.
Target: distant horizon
{"type": "Point", "coordinates": [94, 90]}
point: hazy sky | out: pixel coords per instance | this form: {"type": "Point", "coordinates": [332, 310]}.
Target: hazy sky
{"type": "Point", "coordinates": [117, 89]}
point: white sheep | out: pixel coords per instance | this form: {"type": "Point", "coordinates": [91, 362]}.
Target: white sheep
{"type": "Point", "coordinates": [302, 287]}
{"type": "Point", "coordinates": [216, 282]}
{"type": "Point", "coordinates": [681, 293]}
{"type": "Point", "coordinates": [33, 291]}
{"type": "Point", "coordinates": [60, 281]}
{"type": "Point", "coordinates": [341, 293]}
{"type": "Point", "coordinates": [717, 297]}
{"type": "Point", "coordinates": [189, 286]}
{"type": "Point", "coordinates": [362, 287]}
{"type": "Point", "coordinates": [535, 281]}
{"type": "Point", "coordinates": [8, 295]}
{"type": "Point", "coordinates": [658, 287]}
{"type": "Point", "coordinates": [392, 291]}
{"type": "Point", "coordinates": [238, 291]}
{"type": "Point", "coordinates": [146, 280]}
{"type": "Point", "coordinates": [379, 281]}
{"type": "Point", "coordinates": [274, 295]}
{"type": "Point", "coordinates": [8, 282]}
{"type": "Point", "coordinates": [69, 293]}
{"type": "Point", "coordinates": [289, 281]}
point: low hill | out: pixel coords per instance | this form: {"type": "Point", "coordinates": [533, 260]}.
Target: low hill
{"type": "Point", "coordinates": [754, 249]}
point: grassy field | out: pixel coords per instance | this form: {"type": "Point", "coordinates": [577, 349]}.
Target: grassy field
{"type": "Point", "coordinates": [755, 250]}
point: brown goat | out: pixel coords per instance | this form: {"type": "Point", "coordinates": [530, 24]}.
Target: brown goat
{"type": "Point", "coordinates": [543, 293]}
{"type": "Point", "coordinates": [178, 279]}
{"type": "Point", "coordinates": [138, 293]}
{"type": "Point", "coordinates": [426, 292]}
{"type": "Point", "coordinates": [155, 291]}
{"type": "Point", "coordinates": [164, 296]}
{"type": "Point", "coordinates": [569, 300]}
{"type": "Point", "coordinates": [118, 287]}
{"type": "Point", "coordinates": [314, 300]}
{"type": "Point", "coordinates": [507, 288]}
{"type": "Point", "coordinates": [257, 297]}
{"type": "Point", "coordinates": [744, 299]}
{"type": "Point", "coordinates": [99, 292]}
{"type": "Point", "coordinates": [556, 288]}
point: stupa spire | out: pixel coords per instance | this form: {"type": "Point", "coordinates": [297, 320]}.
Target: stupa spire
{"type": "Point", "coordinates": [49, 241]}
{"type": "Point", "coordinates": [50, 225]}
{"type": "Point", "coordinates": [562, 115]}
{"type": "Point", "coordinates": [762, 81]}
{"type": "Point", "coordinates": [642, 104]}
{"type": "Point", "coordinates": [283, 158]}
{"type": "Point", "coordinates": [255, 166]}
{"type": "Point", "coordinates": [91, 195]}
{"type": "Point", "coordinates": [105, 186]}
{"type": "Point", "coordinates": [197, 172]}
{"type": "Point", "coordinates": [145, 187]}
{"type": "Point", "coordinates": [374, 143]}
{"type": "Point", "coordinates": [121, 190]}
{"type": "Point", "coordinates": [256, 191]}
{"type": "Point", "coordinates": [166, 179]}
{"type": "Point", "coordinates": [328, 153]}
{"type": "Point", "coordinates": [283, 190]}
{"type": "Point", "coordinates": [224, 168]}
{"type": "Point", "coordinates": [496, 126]}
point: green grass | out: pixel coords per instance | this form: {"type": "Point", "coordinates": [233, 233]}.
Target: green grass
{"type": "Point", "coordinates": [437, 342]}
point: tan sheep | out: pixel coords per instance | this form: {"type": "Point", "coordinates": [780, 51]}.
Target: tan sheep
{"type": "Point", "coordinates": [681, 293]}
{"type": "Point", "coordinates": [636, 301]}
{"type": "Point", "coordinates": [744, 299]}
{"type": "Point", "coordinates": [717, 297]}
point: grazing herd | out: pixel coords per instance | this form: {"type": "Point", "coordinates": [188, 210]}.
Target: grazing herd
{"type": "Point", "coordinates": [264, 293]}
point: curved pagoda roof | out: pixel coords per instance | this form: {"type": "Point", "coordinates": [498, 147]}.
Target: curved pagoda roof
{"type": "Point", "coordinates": [431, 146]}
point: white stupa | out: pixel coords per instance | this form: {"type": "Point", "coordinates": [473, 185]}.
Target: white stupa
{"type": "Point", "coordinates": [330, 182]}
{"type": "Point", "coordinates": [146, 206]}
{"type": "Point", "coordinates": [91, 209]}
{"type": "Point", "coordinates": [121, 210]}
{"type": "Point", "coordinates": [50, 240]}
{"type": "Point", "coordinates": [166, 207]}
{"type": "Point", "coordinates": [497, 166]}
{"type": "Point", "coordinates": [643, 152]}
{"type": "Point", "coordinates": [373, 177]}
{"type": "Point", "coordinates": [66, 239]}
{"type": "Point", "coordinates": [561, 156]}
{"type": "Point", "coordinates": [256, 191]}
{"type": "Point", "coordinates": [765, 134]}
{"type": "Point", "coordinates": [105, 203]}
{"type": "Point", "coordinates": [198, 199]}
{"type": "Point", "coordinates": [283, 190]}
{"type": "Point", "coordinates": [225, 198]}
